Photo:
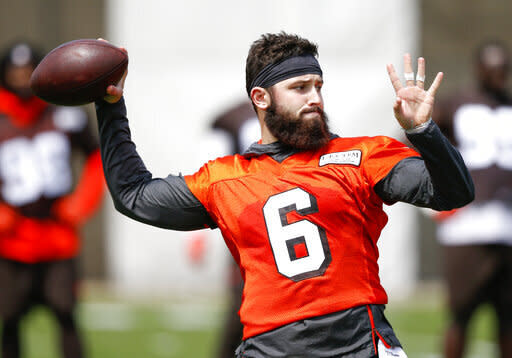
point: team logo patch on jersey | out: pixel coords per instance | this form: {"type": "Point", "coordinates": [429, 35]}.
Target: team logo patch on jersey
{"type": "Point", "coordinates": [352, 157]}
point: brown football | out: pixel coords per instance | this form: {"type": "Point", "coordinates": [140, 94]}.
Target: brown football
{"type": "Point", "coordinates": [78, 72]}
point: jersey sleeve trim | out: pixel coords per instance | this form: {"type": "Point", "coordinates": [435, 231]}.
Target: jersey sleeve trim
{"type": "Point", "coordinates": [382, 154]}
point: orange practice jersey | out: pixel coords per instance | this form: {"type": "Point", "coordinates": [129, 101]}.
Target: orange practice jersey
{"type": "Point", "coordinates": [304, 231]}
{"type": "Point", "coordinates": [40, 208]}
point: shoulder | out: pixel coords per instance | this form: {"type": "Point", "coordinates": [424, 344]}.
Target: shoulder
{"type": "Point", "coordinates": [224, 162]}
{"type": "Point", "coordinates": [377, 151]}
{"type": "Point", "coordinates": [223, 168]}
{"type": "Point", "coordinates": [375, 156]}
{"type": "Point", "coordinates": [216, 171]}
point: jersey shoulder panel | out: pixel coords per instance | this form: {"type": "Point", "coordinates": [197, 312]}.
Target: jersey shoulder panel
{"type": "Point", "coordinates": [224, 168]}
{"type": "Point", "coordinates": [379, 154]}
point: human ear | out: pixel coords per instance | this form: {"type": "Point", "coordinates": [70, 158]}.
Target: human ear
{"type": "Point", "coordinates": [261, 98]}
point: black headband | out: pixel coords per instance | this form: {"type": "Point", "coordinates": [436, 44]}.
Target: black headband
{"type": "Point", "coordinates": [287, 68]}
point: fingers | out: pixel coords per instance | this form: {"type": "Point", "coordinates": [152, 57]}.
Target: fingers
{"type": "Point", "coordinates": [409, 74]}
{"type": "Point", "coordinates": [114, 94]}
{"type": "Point", "coordinates": [435, 85]}
{"type": "Point", "coordinates": [395, 81]}
{"type": "Point", "coordinates": [113, 90]}
{"type": "Point", "coordinates": [121, 81]}
{"type": "Point", "coordinates": [420, 77]}
{"type": "Point", "coordinates": [121, 48]}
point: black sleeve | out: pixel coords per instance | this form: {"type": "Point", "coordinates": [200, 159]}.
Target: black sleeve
{"type": "Point", "coordinates": [438, 180]}
{"type": "Point", "coordinates": [163, 202]}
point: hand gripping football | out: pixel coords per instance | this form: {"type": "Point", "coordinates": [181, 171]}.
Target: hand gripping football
{"type": "Point", "coordinates": [78, 72]}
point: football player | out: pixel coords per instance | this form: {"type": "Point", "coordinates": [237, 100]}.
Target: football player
{"type": "Point", "coordinates": [41, 210]}
{"type": "Point", "coordinates": [302, 209]}
{"type": "Point", "coordinates": [477, 240]}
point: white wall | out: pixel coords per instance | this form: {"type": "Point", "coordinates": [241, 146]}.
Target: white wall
{"type": "Point", "coordinates": [187, 63]}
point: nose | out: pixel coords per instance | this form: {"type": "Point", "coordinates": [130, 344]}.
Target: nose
{"type": "Point", "coordinates": [315, 97]}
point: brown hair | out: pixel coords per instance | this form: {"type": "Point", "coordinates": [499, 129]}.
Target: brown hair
{"type": "Point", "coordinates": [272, 48]}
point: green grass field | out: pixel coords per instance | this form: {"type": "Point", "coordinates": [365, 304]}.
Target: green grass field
{"type": "Point", "coordinates": [189, 329]}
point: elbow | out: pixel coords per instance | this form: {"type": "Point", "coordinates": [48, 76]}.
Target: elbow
{"type": "Point", "coordinates": [124, 200]}
{"type": "Point", "coordinates": [123, 197]}
{"type": "Point", "coordinates": [121, 207]}
{"type": "Point", "coordinates": [117, 200]}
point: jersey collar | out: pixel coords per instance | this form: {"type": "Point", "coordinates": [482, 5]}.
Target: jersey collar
{"type": "Point", "coordinates": [276, 150]}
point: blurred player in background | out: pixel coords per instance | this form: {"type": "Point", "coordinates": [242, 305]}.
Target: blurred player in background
{"type": "Point", "coordinates": [477, 239]}
{"type": "Point", "coordinates": [239, 127]}
{"type": "Point", "coordinates": [40, 213]}
{"type": "Point", "coordinates": [302, 209]}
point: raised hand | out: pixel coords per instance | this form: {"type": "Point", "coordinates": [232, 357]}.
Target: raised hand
{"type": "Point", "coordinates": [413, 105]}
{"type": "Point", "coordinates": [114, 93]}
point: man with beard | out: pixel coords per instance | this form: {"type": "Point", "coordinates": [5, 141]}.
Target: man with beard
{"type": "Point", "coordinates": [302, 209]}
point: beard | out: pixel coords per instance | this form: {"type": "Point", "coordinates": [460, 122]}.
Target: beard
{"type": "Point", "coordinates": [296, 132]}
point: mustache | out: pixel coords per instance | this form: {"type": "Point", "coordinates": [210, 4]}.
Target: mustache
{"type": "Point", "coordinates": [314, 109]}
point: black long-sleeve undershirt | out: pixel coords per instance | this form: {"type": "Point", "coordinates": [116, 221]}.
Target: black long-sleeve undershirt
{"type": "Point", "coordinates": [163, 202]}
{"type": "Point", "coordinates": [438, 180]}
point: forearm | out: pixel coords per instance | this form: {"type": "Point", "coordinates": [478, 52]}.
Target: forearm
{"type": "Point", "coordinates": [438, 180]}
{"type": "Point", "coordinates": [165, 202]}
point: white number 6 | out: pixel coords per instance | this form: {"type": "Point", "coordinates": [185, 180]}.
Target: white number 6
{"type": "Point", "coordinates": [284, 237]}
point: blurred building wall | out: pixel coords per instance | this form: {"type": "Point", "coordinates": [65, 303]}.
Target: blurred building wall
{"type": "Point", "coordinates": [47, 24]}
{"type": "Point", "coordinates": [50, 22]}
